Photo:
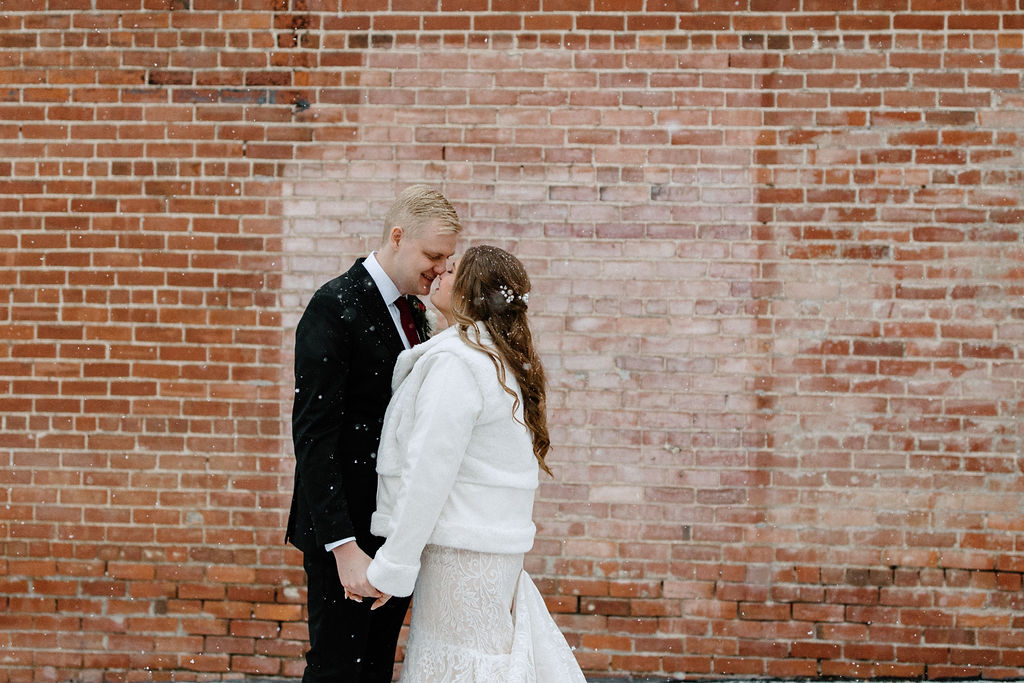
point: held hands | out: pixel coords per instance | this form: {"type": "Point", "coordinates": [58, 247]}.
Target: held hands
{"type": "Point", "coordinates": [379, 602]}
{"type": "Point", "coordinates": [352, 563]}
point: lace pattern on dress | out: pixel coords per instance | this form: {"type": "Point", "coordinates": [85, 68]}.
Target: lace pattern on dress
{"type": "Point", "coordinates": [477, 617]}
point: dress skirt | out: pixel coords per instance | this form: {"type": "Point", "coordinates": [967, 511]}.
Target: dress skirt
{"type": "Point", "coordinates": [478, 617]}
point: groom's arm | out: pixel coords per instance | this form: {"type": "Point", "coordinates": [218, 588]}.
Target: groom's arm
{"type": "Point", "coordinates": [322, 350]}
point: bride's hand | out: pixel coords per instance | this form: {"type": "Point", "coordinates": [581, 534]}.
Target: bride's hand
{"type": "Point", "coordinates": [379, 602]}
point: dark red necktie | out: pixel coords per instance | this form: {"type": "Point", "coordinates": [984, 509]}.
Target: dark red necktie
{"type": "Point", "coordinates": [408, 326]}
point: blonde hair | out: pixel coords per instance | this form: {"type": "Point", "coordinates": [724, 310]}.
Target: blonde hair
{"type": "Point", "coordinates": [491, 286]}
{"type": "Point", "coordinates": [418, 205]}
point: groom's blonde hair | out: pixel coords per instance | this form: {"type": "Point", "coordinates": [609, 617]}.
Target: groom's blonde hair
{"type": "Point", "coordinates": [417, 206]}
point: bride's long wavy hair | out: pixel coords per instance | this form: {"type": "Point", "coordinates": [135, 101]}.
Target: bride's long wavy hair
{"type": "Point", "coordinates": [491, 286]}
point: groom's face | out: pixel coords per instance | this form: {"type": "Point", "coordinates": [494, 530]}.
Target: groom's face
{"type": "Point", "coordinates": [420, 258]}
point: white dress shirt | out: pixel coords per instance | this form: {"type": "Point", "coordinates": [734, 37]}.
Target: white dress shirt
{"type": "Point", "coordinates": [388, 291]}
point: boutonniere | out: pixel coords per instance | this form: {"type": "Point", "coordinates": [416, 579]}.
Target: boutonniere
{"type": "Point", "coordinates": [419, 318]}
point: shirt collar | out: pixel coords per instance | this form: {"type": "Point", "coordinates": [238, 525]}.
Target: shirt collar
{"type": "Point", "coordinates": [388, 290]}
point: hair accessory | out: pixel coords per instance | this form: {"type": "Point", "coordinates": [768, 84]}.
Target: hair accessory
{"type": "Point", "coordinates": [511, 296]}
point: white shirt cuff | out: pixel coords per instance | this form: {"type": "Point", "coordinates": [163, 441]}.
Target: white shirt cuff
{"type": "Point", "coordinates": [331, 546]}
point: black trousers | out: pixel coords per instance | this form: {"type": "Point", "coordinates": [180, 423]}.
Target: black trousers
{"type": "Point", "coordinates": [347, 642]}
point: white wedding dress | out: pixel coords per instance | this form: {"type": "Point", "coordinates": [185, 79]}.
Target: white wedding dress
{"type": "Point", "coordinates": [478, 617]}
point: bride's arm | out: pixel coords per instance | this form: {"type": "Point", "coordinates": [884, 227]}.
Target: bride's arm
{"type": "Point", "coordinates": [447, 405]}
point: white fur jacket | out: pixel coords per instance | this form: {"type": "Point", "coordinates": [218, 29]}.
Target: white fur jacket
{"type": "Point", "coordinates": [454, 468]}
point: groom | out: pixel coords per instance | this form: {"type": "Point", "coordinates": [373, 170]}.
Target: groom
{"type": "Point", "coordinates": [346, 344]}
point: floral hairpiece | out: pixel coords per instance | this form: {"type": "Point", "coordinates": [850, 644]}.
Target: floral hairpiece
{"type": "Point", "coordinates": [511, 296]}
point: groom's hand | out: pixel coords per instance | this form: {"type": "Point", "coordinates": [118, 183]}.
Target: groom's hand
{"type": "Point", "coordinates": [352, 563]}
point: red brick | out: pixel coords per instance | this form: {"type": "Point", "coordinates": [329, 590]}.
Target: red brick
{"type": "Point", "coordinates": [774, 250]}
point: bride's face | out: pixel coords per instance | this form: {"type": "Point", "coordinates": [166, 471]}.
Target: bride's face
{"type": "Point", "coordinates": [441, 297]}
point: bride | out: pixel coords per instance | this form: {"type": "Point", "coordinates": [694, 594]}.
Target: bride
{"type": "Point", "coordinates": [464, 439]}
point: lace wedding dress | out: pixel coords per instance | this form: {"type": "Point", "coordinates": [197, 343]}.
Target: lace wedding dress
{"type": "Point", "coordinates": [478, 617]}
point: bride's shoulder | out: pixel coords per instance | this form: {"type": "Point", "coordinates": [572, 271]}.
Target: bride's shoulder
{"type": "Point", "coordinates": [449, 347]}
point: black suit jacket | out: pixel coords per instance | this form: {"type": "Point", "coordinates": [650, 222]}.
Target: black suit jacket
{"type": "Point", "coordinates": [346, 345]}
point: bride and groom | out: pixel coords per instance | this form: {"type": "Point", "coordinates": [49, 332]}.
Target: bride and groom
{"type": "Point", "coordinates": [435, 447]}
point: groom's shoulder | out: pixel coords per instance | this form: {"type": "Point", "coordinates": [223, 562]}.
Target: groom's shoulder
{"type": "Point", "coordinates": [352, 284]}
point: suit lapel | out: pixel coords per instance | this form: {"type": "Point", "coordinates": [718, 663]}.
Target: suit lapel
{"type": "Point", "coordinates": [380, 322]}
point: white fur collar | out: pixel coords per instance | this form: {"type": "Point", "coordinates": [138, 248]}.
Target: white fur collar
{"type": "Point", "coordinates": [407, 359]}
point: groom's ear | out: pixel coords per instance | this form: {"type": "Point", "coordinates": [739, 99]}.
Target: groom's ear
{"type": "Point", "coordinates": [395, 236]}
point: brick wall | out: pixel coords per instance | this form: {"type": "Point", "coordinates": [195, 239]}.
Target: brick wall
{"type": "Point", "coordinates": [779, 267]}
